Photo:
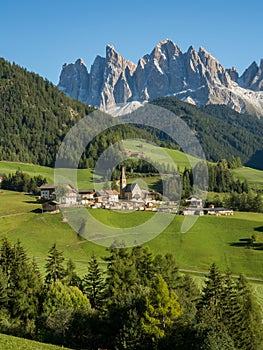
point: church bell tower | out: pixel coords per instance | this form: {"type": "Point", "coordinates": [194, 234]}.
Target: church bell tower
{"type": "Point", "coordinates": [122, 182]}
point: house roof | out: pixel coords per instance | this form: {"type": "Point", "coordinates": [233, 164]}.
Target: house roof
{"type": "Point", "coordinates": [47, 187]}
{"type": "Point", "coordinates": [106, 193]}
{"type": "Point", "coordinates": [130, 187]}
{"type": "Point", "coordinates": [86, 191]}
{"type": "Point", "coordinates": [53, 186]}
{"type": "Point", "coordinates": [193, 198]}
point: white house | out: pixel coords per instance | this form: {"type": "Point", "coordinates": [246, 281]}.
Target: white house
{"type": "Point", "coordinates": [48, 191]}
{"type": "Point", "coordinates": [194, 202]}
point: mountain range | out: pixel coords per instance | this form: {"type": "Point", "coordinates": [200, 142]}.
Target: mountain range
{"type": "Point", "coordinates": [193, 76]}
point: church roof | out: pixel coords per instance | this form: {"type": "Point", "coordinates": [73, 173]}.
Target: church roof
{"type": "Point", "coordinates": [130, 187]}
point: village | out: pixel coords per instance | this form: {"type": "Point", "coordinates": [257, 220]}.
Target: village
{"type": "Point", "coordinates": [130, 197]}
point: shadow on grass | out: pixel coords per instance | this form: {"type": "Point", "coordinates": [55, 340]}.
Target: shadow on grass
{"type": "Point", "coordinates": [259, 229]}
{"type": "Point", "coordinates": [32, 202]}
{"type": "Point", "coordinates": [36, 211]}
{"type": "Point", "coordinates": [247, 243]}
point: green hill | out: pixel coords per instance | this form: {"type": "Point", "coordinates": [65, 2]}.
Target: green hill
{"type": "Point", "coordinates": [8, 342]}
{"type": "Point", "coordinates": [210, 239]}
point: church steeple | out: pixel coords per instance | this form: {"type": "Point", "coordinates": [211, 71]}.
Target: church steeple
{"type": "Point", "coordinates": [122, 182]}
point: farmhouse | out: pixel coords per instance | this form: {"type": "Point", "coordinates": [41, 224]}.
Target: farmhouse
{"type": "Point", "coordinates": [194, 202]}
{"type": "Point", "coordinates": [48, 192]}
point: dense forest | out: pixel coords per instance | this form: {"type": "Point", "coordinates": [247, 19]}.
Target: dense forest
{"type": "Point", "coordinates": [221, 131]}
{"type": "Point", "coordinates": [140, 301]}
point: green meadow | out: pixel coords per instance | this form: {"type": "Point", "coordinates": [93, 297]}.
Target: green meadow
{"type": "Point", "coordinates": [8, 342]}
{"type": "Point", "coordinates": [253, 176]}
{"type": "Point", "coordinates": [211, 239]}
{"type": "Point", "coordinates": [84, 176]}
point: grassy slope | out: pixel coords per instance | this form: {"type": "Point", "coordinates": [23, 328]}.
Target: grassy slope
{"type": "Point", "coordinates": [8, 342]}
{"type": "Point", "coordinates": [156, 154]}
{"type": "Point", "coordinates": [85, 176]}
{"type": "Point", "coordinates": [253, 176]}
{"type": "Point", "coordinates": [207, 241]}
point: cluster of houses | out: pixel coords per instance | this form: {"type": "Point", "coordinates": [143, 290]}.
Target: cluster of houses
{"type": "Point", "coordinates": [130, 197]}
{"type": "Point", "coordinates": [195, 207]}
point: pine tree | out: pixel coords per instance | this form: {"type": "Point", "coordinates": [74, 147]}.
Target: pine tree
{"type": "Point", "coordinates": [121, 274]}
{"type": "Point", "coordinates": [212, 293]}
{"type": "Point", "coordinates": [252, 337]}
{"type": "Point", "coordinates": [143, 261]}
{"type": "Point", "coordinates": [54, 266]}
{"type": "Point", "coordinates": [71, 278]}
{"type": "Point", "coordinates": [161, 310]}
{"type": "Point", "coordinates": [24, 293]}
{"type": "Point", "coordinates": [6, 257]}
{"type": "Point", "coordinates": [166, 266]}
{"type": "Point", "coordinates": [93, 283]}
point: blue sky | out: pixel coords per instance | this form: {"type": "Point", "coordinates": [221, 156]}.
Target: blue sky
{"type": "Point", "coordinates": [42, 35]}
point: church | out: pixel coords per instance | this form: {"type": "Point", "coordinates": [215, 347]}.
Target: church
{"type": "Point", "coordinates": [130, 191]}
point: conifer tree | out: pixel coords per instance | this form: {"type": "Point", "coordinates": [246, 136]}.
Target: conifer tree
{"type": "Point", "coordinates": [143, 262]}
{"type": "Point", "coordinates": [54, 266]}
{"type": "Point", "coordinates": [71, 278]}
{"type": "Point", "coordinates": [252, 337]}
{"type": "Point", "coordinates": [93, 283]}
{"type": "Point", "coordinates": [212, 293]}
{"type": "Point", "coordinates": [161, 310]}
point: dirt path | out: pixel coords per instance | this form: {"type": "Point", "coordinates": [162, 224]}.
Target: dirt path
{"type": "Point", "coordinates": [205, 273]}
{"type": "Point", "coordinates": [15, 214]}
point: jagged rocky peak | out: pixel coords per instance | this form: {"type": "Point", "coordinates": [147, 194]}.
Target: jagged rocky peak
{"type": "Point", "coordinates": [113, 57]}
{"type": "Point", "coordinates": [252, 78]}
{"type": "Point", "coordinates": [74, 80]}
{"type": "Point", "coordinates": [233, 73]}
{"type": "Point", "coordinates": [194, 76]}
{"type": "Point", "coordinates": [166, 49]}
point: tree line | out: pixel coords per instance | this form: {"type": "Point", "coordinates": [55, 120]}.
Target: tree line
{"type": "Point", "coordinates": [138, 301]}
{"type": "Point", "coordinates": [22, 182]}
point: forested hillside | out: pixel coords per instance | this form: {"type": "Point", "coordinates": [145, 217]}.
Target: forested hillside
{"type": "Point", "coordinates": [35, 116]}
{"type": "Point", "coordinates": [221, 131]}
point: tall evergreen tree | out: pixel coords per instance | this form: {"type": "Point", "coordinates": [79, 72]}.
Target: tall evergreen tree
{"type": "Point", "coordinates": [161, 310]}
{"type": "Point", "coordinates": [93, 283]}
{"type": "Point", "coordinates": [54, 266]}
{"type": "Point", "coordinates": [71, 278]}
{"type": "Point", "coordinates": [251, 317]}
{"type": "Point", "coordinates": [212, 293]}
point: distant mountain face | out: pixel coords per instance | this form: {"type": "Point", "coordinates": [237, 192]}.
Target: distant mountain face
{"type": "Point", "coordinates": [193, 76]}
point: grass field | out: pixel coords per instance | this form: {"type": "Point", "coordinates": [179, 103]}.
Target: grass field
{"type": "Point", "coordinates": [8, 342]}
{"type": "Point", "coordinates": [209, 240]}
{"type": "Point", "coordinates": [85, 176]}
{"type": "Point", "coordinates": [253, 176]}
{"type": "Point", "coordinates": [156, 154]}
{"type": "Point", "coordinates": [160, 155]}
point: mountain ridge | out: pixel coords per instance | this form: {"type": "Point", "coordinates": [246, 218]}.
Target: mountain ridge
{"type": "Point", "coordinates": [193, 76]}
